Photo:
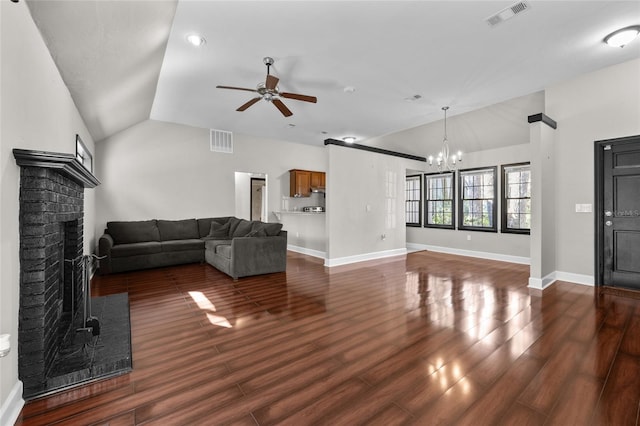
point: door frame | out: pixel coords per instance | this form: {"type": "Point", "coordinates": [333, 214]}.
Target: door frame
{"type": "Point", "coordinates": [598, 210]}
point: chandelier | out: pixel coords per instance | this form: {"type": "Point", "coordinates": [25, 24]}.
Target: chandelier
{"type": "Point", "coordinates": [445, 161]}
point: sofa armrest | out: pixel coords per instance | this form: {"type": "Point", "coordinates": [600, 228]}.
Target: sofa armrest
{"type": "Point", "coordinates": [258, 255]}
{"type": "Point", "coordinates": [105, 243]}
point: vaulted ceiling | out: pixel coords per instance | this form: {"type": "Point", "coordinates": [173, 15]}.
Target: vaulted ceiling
{"type": "Point", "coordinates": [376, 67]}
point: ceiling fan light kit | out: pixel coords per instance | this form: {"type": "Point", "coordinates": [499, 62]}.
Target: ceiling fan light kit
{"type": "Point", "coordinates": [269, 92]}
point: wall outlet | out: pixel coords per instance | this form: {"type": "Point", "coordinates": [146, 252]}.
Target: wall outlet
{"type": "Point", "coordinates": [383, 237]}
{"type": "Point", "coordinates": [468, 237]}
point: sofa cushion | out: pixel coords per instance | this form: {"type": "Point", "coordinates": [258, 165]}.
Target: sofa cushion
{"type": "Point", "coordinates": [271, 229]}
{"type": "Point", "coordinates": [182, 245]}
{"type": "Point", "coordinates": [178, 229]}
{"type": "Point", "coordinates": [212, 244]}
{"type": "Point", "coordinates": [242, 229]}
{"type": "Point", "coordinates": [224, 250]}
{"type": "Point", "coordinates": [219, 230]}
{"type": "Point", "coordinates": [135, 249]}
{"type": "Point", "coordinates": [134, 231]}
{"type": "Point", "coordinates": [204, 224]}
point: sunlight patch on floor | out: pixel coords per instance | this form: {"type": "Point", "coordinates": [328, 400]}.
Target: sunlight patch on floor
{"type": "Point", "coordinates": [205, 304]}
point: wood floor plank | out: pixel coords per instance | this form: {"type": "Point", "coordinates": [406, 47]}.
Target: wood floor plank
{"type": "Point", "coordinates": [429, 339]}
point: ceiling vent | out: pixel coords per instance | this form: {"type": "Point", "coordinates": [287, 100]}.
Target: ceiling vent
{"type": "Point", "coordinates": [508, 13]}
{"type": "Point", "coordinates": [221, 141]}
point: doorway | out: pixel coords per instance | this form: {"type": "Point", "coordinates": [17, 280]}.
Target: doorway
{"type": "Point", "coordinates": [247, 196]}
{"type": "Point", "coordinates": [257, 199]}
{"type": "Point", "coordinates": [617, 212]}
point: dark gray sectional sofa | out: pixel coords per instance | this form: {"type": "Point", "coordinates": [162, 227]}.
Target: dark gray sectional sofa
{"type": "Point", "coordinates": [235, 246]}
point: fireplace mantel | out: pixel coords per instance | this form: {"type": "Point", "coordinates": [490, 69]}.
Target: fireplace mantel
{"type": "Point", "coordinates": [64, 163]}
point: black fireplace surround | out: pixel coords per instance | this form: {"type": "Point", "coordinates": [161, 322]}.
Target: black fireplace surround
{"type": "Point", "coordinates": [51, 243]}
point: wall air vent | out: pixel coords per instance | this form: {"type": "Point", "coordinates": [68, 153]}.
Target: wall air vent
{"type": "Point", "coordinates": [221, 141]}
{"type": "Point", "coordinates": [508, 13]}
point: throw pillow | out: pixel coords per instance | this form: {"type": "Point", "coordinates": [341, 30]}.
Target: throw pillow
{"type": "Point", "coordinates": [243, 228]}
{"type": "Point", "coordinates": [219, 230]}
{"type": "Point", "coordinates": [257, 233]}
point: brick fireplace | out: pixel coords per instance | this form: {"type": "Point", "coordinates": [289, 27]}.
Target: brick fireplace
{"type": "Point", "coordinates": [51, 245]}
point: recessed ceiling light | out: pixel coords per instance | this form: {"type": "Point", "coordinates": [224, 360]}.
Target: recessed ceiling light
{"type": "Point", "coordinates": [623, 36]}
{"type": "Point", "coordinates": [196, 39]}
{"type": "Point", "coordinates": [349, 139]}
{"type": "Point", "coordinates": [349, 89]}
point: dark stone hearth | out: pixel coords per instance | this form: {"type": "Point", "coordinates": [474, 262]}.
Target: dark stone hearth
{"type": "Point", "coordinates": [102, 356]}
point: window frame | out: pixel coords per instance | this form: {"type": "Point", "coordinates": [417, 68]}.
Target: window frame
{"type": "Point", "coordinates": [83, 155]}
{"type": "Point", "coordinates": [427, 199]}
{"type": "Point", "coordinates": [504, 199]}
{"type": "Point", "coordinates": [406, 200]}
{"type": "Point", "coordinates": [461, 199]}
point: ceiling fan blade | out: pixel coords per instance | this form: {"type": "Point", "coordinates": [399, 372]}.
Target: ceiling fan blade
{"type": "Point", "coordinates": [298, 97]}
{"type": "Point", "coordinates": [272, 82]}
{"type": "Point", "coordinates": [282, 107]}
{"type": "Point", "coordinates": [248, 104]}
{"type": "Point", "coordinates": [236, 88]}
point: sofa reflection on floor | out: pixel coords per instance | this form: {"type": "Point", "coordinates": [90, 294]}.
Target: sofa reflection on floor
{"type": "Point", "coordinates": [237, 247]}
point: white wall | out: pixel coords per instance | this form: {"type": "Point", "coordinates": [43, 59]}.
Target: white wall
{"type": "Point", "coordinates": [601, 105]}
{"type": "Point", "coordinates": [166, 171]}
{"type": "Point", "coordinates": [37, 113]}
{"type": "Point", "coordinates": [364, 201]}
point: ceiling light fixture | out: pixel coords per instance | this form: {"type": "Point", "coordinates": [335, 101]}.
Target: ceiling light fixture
{"type": "Point", "coordinates": [444, 161]}
{"type": "Point", "coordinates": [196, 40]}
{"type": "Point", "coordinates": [349, 139]}
{"type": "Point", "coordinates": [623, 36]}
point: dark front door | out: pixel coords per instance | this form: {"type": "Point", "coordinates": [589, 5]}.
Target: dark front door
{"type": "Point", "coordinates": [619, 222]}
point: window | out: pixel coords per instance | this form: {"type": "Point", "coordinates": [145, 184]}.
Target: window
{"type": "Point", "coordinates": [439, 196]}
{"type": "Point", "coordinates": [413, 200]}
{"type": "Point", "coordinates": [83, 155]}
{"type": "Point", "coordinates": [477, 211]}
{"type": "Point", "coordinates": [516, 198]}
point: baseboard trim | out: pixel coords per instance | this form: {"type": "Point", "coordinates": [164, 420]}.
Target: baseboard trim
{"type": "Point", "coordinates": [480, 254]}
{"type": "Point", "coordinates": [338, 261]}
{"type": "Point", "coordinates": [542, 283]}
{"type": "Point", "coordinates": [308, 251]}
{"type": "Point", "coordinates": [575, 278]}
{"type": "Point", "coordinates": [12, 406]}
{"type": "Point", "coordinates": [546, 281]}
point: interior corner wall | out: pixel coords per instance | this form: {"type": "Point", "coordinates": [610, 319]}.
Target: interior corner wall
{"type": "Point", "coordinates": [36, 112]}
{"type": "Point", "coordinates": [365, 203]}
{"type": "Point", "coordinates": [160, 170]}
{"type": "Point", "coordinates": [604, 104]}
{"type": "Point", "coordinates": [485, 244]}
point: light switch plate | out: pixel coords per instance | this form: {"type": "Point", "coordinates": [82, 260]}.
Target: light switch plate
{"type": "Point", "coordinates": [584, 208]}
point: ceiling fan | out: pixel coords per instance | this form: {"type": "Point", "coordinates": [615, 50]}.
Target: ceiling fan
{"type": "Point", "coordinates": [270, 93]}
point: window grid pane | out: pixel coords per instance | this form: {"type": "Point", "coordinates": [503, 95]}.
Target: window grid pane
{"type": "Point", "coordinates": [413, 199]}
{"type": "Point", "coordinates": [478, 198]}
{"type": "Point", "coordinates": [439, 202]}
{"type": "Point", "coordinates": [517, 197]}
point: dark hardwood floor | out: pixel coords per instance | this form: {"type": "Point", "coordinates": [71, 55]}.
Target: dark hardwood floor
{"type": "Point", "coordinates": [430, 339]}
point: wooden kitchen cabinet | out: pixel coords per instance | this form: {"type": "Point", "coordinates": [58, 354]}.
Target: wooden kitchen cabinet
{"type": "Point", "coordinates": [301, 182]}
{"type": "Point", "coordinates": [318, 179]}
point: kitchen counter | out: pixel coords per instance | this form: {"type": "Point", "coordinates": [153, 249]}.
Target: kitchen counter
{"type": "Point", "coordinates": [297, 213]}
